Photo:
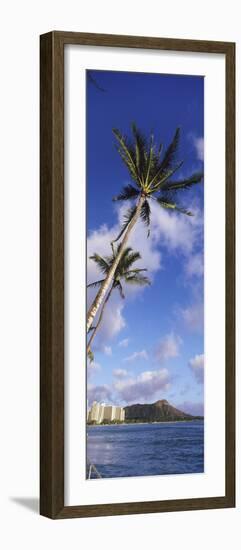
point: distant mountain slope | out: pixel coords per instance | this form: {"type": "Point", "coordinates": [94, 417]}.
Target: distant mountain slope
{"type": "Point", "coordinates": [159, 411]}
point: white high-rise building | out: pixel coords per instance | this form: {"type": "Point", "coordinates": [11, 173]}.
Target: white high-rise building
{"type": "Point", "coordinates": [120, 414]}
{"type": "Point", "coordinates": [109, 413]}
{"type": "Point", "coordinates": [100, 412]}
{"type": "Point", "coordinates": [96, 412]}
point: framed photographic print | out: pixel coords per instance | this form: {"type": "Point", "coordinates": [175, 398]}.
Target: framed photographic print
{"type": "Point", "coordinates": [137, 275]}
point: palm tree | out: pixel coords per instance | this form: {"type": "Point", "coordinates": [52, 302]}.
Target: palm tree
{"type": "Point", "coordinates": [152, 172]}
{"type": "Point", "coordinates": [124, 272]}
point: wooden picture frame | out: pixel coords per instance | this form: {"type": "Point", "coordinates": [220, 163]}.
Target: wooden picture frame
{"type": "Point", "coordinates": [52, 274]}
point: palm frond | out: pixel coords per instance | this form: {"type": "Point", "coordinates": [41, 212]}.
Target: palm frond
{"type": "Point", "coordinates": [101, 262]}
{"type": "Point", "coordinates": [127, 256]}
{"type": "Point", "coordinates": [160, 176]}
{"type": "Point", "coordinates": [140, 280]}
{"type": "Point", "coordinates": [160, 148]}
{"type": "Point", "coordinates": [95, 284]}
{"type": "Point", "coordinates": [126, 252]}
{"type": "Point", "coordinates": [128, 192]}
{"type": "Point", "coordinates": [169, 204]}
{"type": "Point", "coordinates": [185, 183]}
{"type": "Point", "coordinates": [146, 214]}
{"type": "Point", "coordinates": [163, 177]}
{"type": "Point", "coordinates": [127, 219]}
{"type": "Point", "coordinates": [126, 152]}
{"type": "Point", "coordinates": [132, 271]}
{"type": "Point", "coordinates": [140, 150]}
{"type": "Point", "coordinates": [170, 154]}
{"type": "Point", "coordinates": [129, 260]}
{"type": "Point", "coordinates": [150, 159]}
{"type": "Point", "coordinates": [120, 288]}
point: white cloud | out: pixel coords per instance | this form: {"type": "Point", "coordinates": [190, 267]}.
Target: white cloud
{"type": "Point", "coordinates": [136, 355]}
{"type": "Point", "coordinates": [93, 366]}
{"type": "Point", "coordinates": [99, 393]}
{"type": "Point", "coordinates": [199, 146]}
{"type": "Point", "coordinates": [107, 350]}
{"type": "Point", "coordinates": [196, 364]}
{"type": "Point", "coordinates": [194, 265]}
{"type": "Point", "coordinates": [112, 323]}
{"type": "Point", "coordinates": [177, 232]}
{"type": "Point", "coordinates": [193, 316]}
{"type": "Point", "coordinates": [124, 343]}
{"type": "Point", "coordinates": [145, 386]}
{"type": "Point", "coordinates": [120, 373]}
{"type": "Point", "coordinates": [168, 347]}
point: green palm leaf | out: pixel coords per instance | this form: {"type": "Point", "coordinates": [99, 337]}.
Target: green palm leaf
{"type": "Point", "coordinates": [127, 219]}
{"type": "Point", "coordinates": [129, 257]}
{"type": "Point", "coordinates": [118, 285]}
{"type": "Point", "coordinates": [129, 260]}
{"type": "Point", "coordinates": [140, 151]}
{"type": "Point", "coordinates": [95, 284]}
{"type": "Point", "coordinates": [126, 153]}
{"type": "Point", "coordinates": [146, 213]}
{"type": "Point", "coordinates": [131, 271]}
{"type": "Point", "coordinates": [165, 203]}
{"type": "Point", "coordinates": [101, 262]}
{"type": "Point", "coordinates": [126, 252]}
{"type": "Point", "coordinates": [186, 183]}
{"type": "Point", "coordinates": [170, 154]}
{"type": "Point", "coordinates": [140, 280]}
{"type": "Point", "coordinates": [161, 177]}
{"type": "Point", "coordinates": [128, 192]}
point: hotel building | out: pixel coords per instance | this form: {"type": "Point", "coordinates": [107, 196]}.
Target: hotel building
{"type": "Point", "coordinates": [100, 412]}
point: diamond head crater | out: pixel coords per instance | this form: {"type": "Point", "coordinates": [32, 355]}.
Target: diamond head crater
{"type": "Point", "coordinates": [159, 411]}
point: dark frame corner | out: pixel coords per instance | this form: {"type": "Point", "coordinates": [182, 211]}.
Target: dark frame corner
{"type": "Point", "coordinates": [52, 274]}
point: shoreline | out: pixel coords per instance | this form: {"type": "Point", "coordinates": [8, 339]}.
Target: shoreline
{"type": "Point", "coordinates": [144, 423]}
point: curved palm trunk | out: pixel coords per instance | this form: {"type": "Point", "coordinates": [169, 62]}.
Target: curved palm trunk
{"type": "Point", "coordinates": [100, 319]}
{"type": "Point", "coordinates": [105, 285]}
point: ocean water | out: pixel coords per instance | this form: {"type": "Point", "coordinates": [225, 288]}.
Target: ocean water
{"type": "Point", "coordinates": [147, 449]}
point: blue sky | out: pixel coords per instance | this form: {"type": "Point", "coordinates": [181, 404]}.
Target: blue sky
{"type": "Point", "coordinates": [150, 345]}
